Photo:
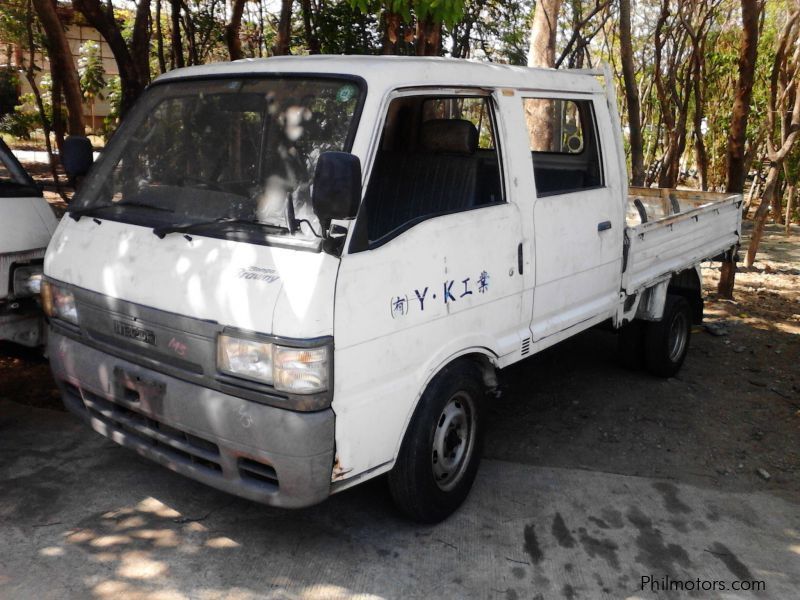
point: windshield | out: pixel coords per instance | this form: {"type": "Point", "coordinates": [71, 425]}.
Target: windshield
{"type": "Point", "coordinates": [14, 180]}
{"type": "Point", "coordinates": [224, 150]}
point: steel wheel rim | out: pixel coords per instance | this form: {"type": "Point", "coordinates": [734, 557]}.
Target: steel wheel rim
{"type": "Point", "coordinates": [453, 441]}
{"type": "Point", "coordinates": [678, 334]}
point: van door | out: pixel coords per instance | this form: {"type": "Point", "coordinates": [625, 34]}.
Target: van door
{"type": "Point", "coordinates": [431, 269]}
{"type": "Point", "coordinates": [577, 214]}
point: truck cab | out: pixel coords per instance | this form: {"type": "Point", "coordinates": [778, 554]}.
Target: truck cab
{"type": "Point", "coordinates": [284, 277]}
{"type": "Point", "coordinates": [26, 224]}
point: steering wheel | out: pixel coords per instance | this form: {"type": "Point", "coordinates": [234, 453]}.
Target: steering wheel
{"type": "Point", "coordinates": [212, 185]}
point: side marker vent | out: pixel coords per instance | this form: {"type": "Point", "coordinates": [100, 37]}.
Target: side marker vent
{"type": "Point", "coordinates": [526, 346]}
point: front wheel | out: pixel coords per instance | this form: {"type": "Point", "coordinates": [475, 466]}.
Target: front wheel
{"type": "Point", "coordinates": [667, 340]}
{"type": "Point", "coordinates": [441, 450]}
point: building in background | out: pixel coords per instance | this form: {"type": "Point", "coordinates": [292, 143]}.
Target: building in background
{"type": "Point", "coordinates": [79, 32]}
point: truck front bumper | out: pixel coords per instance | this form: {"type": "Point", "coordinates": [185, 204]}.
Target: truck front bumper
{"type": "Point", "coordinates": [266, 454]}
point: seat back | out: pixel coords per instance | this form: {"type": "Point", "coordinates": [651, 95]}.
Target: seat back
{"type": "Point", "coordinates": [440, 177]}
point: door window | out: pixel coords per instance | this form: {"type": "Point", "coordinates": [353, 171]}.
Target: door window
{"type": "Point", "coordinates": [563, 144]}
{"type": "Point", "coordinates": [438, 155]}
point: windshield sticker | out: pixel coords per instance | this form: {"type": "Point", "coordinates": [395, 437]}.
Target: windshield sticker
{"type": "Point", "coordinates": [259, 274]}
{"type": "Point", "coordinates": [346, 93]}
{"type": "Point", "coordinates": [452, 291]}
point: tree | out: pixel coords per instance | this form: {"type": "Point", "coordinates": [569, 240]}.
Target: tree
{"type": "Point", "coordinates": [751, 11]}
{"type": "Point", "coordinates": [631, 93]}
{"type": "Point", "coordinates": [61, 58]}
{"type": "Point", "coordinates": [92, 75]}
{"type": "Point", "coordinates": [783, 120]}
{"type": "Point", "coordinates": [428, 18]}
{"type": "Point", "coordinates": [542, 51]}
{"type": "Point", "coordinates": [539, 114]}
{"type": "Point", "coordinates": [283, 41]}
{"type": "Point", "coordinates": [232, 30]}
{"type": "Point", "coordinates": [133, 61]}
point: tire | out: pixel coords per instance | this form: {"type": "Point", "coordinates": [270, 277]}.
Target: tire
{"type": "Point", "coordinates": [666, 342]}
{"type": "Point", "coordinates": [630, 345]}
{"type": "Point", "coordinates": [427, 484]}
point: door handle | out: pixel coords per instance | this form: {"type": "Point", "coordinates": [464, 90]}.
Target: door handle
{"type": "Point", "coordinates": [604, 226]}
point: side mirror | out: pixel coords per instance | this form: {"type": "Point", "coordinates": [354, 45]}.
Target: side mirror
{"type": "Point", "coordinates": [77, 156]}
{"type": "Point", "coordinates": [337, 187]}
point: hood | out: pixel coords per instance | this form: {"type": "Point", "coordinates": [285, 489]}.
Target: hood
{"type": "Point", "coordinates": [26, 224]}
{"type": "Point", "coordinates": [265, 289]}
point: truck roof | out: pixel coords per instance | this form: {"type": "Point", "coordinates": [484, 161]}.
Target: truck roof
{"type": "Point", "coordinates": [402, 71]}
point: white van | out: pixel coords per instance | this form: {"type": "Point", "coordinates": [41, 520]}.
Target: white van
{"type": "Point", "coordinates": [26, 224]}
{"type": "Point", "coordinates": [286, 276]}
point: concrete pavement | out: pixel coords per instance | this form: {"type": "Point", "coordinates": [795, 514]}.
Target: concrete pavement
{"type": "Point", "coordinates": [81, 517]}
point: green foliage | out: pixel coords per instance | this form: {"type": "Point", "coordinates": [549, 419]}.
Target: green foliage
{"type": "Point", "coordinates": [90, 71]}
{"type": "Point", "coordinates": [447, 12]}
{"type": "Point", "coordinates": [343, 29]}
{"type": "Point", "coordinates": [25, 117]}
{"type": "Point", "coordinates": [9, 98]}
{"type": "Point", "coordinates": [114, 97]}
{"type": "Point", "coordinates": [21, 122]}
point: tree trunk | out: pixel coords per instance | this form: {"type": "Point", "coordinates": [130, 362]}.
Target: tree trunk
{"type": "Point", "coordinates": [162, 61]}
{"type": "Point", "coordinates": [428, 37]}
{"type": "Point", "coordinates": [631, 93]}
{"type": "Point", "coordinates": [748, 50]}
{"type": "Point", "coordinates": [176, 42]}
{"type": "Point", "coordinates": [391, 34]}
{"type": "Point", "coordinates": [751, 10]}
{"type": "Point", "coordinates": [789, 209]}
{"type": "Point", "coordinates": [308, 25]}
{"type": "Point", "coordinates": [760, 218]}
{"type": "Point", "coordinates": [283, 40]}
{"type": "Point", "coordinates": [30, 75]}
{"type": "Point", "coordinates": [232, 30]}
{"type": "Point", "coordinates": [133, 62]}
{"type": "Point", "coordinates": [542, 51]}
{"type": "Point", "coordinates": [61, 58]}
{"type": "Point", "coordinates": [59, 130]}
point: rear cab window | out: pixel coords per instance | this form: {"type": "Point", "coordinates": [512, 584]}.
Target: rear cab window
{"type": "Point", "coordinates": [564, 144]}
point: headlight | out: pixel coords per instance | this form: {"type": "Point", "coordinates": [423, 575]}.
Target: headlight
{"type": "Point", "coordinates": [27, 280]}
{"type": "Point", "coordinates": [294, 370]}
{"type": "Point", "coordinates": [301, 370]}
{"type": "Point", "coordinates": [245, 358]}
{"type": "Point", "coordinates": [58, 302]}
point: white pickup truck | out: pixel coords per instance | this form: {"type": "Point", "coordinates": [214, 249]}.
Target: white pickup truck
{"type": "Point", "coordinates": [286, 276]}
{"type": "Point", "coordinates": [26, 224]}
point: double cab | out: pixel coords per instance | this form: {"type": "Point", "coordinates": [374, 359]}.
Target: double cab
{"type": "Point", "coordinates": [284, 277]}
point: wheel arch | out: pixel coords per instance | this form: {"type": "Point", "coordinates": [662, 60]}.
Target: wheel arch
{"type": "Point", "coordinates": [480, 357]}
{"type": "Point", "coordinates": [687, 283]}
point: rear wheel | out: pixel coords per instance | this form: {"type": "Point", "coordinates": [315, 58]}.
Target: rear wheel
{"type": "Point", "coordinates": [440, 453]}
{"type": "Point", "coordinates": [666, 342]}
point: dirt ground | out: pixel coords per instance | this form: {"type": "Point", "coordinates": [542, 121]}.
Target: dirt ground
{"type": "Point", "coordinates": [729, 420]}
{"type": "Point", "coordinates": [733, 409]}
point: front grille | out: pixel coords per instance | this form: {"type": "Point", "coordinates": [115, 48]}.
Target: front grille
{"type": "Point", "coordinates": [178, 445]}
{"type": "Point", "coordinates": [257, 472]}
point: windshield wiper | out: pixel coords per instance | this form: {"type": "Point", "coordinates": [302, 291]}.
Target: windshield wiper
{"type": "Point", "coordinates": [164, 230]}
{"type": "Point", "coordinates": [77, 213]}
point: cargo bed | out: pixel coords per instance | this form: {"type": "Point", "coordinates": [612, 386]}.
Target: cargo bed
{"type": "Point", "coordinates": [669, 230]}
